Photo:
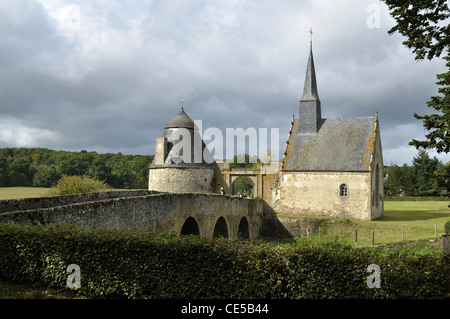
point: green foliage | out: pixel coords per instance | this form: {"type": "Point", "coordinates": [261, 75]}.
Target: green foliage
{"type": "Point", "coordinates": [437, 124]}
{"type": "Point", "coordinates": [243, 185]}
{"type": "Point", "coordinates": [69, 185]}
{"type": "Point", "coordinates": [442, 176]}
{"type": "Point", "coordinates": [420, 22]}
{"type": "Point", "coordinates": [447, 228]}
{"type": "Point", "coordinates": [41, 167]}
{"type": "Point", "coordinates": [45, 176]}
{"type": "Point", "coordinates": [244, 161]}
{"type": "Point", "coordinates": [424, 170]}
{"type": "Point", "coordinates": [132, 264]}
{"type": "Point", "coordinates": [399, 181]}
{"type": "Point", "coordinates": [426, 177]}
{"type": "Point", "coordinates": [425, 25]}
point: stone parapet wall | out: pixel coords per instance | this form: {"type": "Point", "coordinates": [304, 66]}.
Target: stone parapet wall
{"type": "Point", "coordinates": [46, 202]}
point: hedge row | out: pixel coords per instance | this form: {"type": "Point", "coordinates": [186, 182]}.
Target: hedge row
{"type": "Point", "coordinates": [131, 264]}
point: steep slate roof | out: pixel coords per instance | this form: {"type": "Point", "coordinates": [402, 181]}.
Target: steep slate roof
{"type": "Point", "coordinates": [341, 144]}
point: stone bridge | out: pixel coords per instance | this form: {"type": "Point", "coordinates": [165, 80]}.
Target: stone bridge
{"type": "Point", "coordinates": [208, 215]}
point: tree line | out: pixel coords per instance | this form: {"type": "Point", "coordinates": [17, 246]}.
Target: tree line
{"type": "Point", "coordinates": [41, 167]}
{"type": "Point", "coordinates": [425, 177]}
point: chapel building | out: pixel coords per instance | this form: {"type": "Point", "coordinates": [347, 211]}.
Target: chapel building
{"type": "Point", "coordinates": [331, 166]}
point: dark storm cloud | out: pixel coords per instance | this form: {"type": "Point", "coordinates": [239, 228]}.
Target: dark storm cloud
{"type": "Point", "coordinates": [108, 76]}
{"type": "Point", "coordinates": [25, 31]}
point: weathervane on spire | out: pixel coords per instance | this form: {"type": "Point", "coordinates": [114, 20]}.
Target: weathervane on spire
{"type": "Point", "coordinates": [182, 104]}
{"type": "Point", "coordinates": [311, 34]}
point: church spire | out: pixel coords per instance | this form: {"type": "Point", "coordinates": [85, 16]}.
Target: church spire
{"type": "Point", "coordinates": [310, 111]}
{"type": "Point", "coordinates": [310, 88]}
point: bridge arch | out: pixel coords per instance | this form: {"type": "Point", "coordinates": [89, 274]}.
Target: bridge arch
{"type": "Point", "coordinates": [190, 227]}
{"type": "Point", "coordinates": [243, 229]}
{"type": "Point", "coordinates": [221, 228]}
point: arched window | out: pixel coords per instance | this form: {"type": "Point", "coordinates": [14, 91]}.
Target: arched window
{"type": "Point", "coordinates": [343, 190]}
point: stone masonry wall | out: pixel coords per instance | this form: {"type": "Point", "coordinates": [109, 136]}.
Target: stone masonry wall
{"type": "Point", "coordinates": [317, 194]}
{"type": "Point", "coordinates": [182, 180]}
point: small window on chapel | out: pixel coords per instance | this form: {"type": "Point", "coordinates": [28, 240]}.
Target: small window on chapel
{"type": "Point", "coordinates": [343, 190]}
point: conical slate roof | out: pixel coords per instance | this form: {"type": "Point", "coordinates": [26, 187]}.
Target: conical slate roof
{"type": "Point", "coordinates": [310, 88]}
{"type": "Point", "coordinates": [181, 120]}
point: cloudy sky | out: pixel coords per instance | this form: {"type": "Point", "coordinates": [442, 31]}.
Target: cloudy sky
{"type": "Point", "coordinates": [108, 75]}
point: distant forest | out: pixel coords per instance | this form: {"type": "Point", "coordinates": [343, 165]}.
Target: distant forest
{"type": "Point", "coordinates": [426, 177]}
{"type": "Point", "coordinates": [40, 167]}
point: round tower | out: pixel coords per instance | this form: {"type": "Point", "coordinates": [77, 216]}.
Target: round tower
{"type": "Point", "coordinates": [182, 162]}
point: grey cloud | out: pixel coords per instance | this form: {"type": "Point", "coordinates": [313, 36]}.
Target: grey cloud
{"type": "Point", "coordinates": [116, 83]}
{"type": "Point", "coordinates": [25, 31]}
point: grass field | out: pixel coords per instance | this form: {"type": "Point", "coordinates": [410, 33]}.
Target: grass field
{"type": "Point", "coordinates": [22, 192]}
{"type": "Point", "coordinates": [402, 221]}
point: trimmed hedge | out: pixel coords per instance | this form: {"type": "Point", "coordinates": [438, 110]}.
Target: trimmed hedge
{"type": "Point", "coordinates": [130, 264]}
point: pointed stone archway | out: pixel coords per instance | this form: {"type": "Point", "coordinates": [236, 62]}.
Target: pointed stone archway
{"type": "Point", "coordinates": [243, 229]}
{"type": "Point", "coordinates": [221, 228]}
{"type": "Point", "coordinates": [253, 180]}
{"type": "Point", "coordinates": [190, 227]}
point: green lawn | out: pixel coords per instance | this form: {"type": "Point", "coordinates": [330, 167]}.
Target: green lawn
{"type": "Point", "coordinates": [402, 221]}
{"type": "Point", "coordinates": [416, 205]}
{"type": "Point", "coordinates": [28, 192]}
{"type": "Point", "coordinates": [22, 192]}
